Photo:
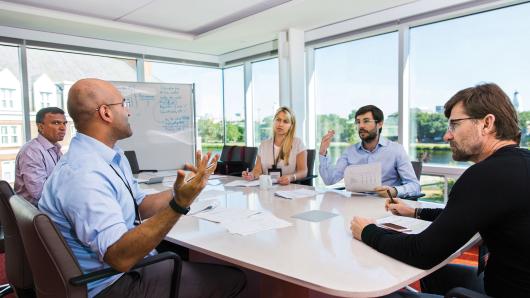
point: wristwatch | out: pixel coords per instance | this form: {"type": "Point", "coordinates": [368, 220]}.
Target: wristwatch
{"type": "Point", "coordinates": [176, 207]}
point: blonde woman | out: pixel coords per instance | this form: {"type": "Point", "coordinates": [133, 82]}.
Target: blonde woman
{"type": "Point", "coordinates": [284, 156]}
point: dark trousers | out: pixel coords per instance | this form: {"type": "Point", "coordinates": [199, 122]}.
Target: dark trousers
{"type": "Point", "coordinates": [197, 280]}
{"type": "Point", "coordinates": [444, 279]}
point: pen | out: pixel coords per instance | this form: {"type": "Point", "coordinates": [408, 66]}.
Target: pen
{"type": "Point", "coordinates": [390, 196]}
{"type": "Point", "coordinates": [191, 178]}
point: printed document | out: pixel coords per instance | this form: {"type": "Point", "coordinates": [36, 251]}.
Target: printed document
{"type": "Point", "coordinates": [296, 194]}
{"type": "Point", "coordinates": [360, 178]}
{"type": "Point", "coordinates": [243, 183]}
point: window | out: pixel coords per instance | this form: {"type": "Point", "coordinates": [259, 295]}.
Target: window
{"type": "Point", "coordinates": [208, 98]}
{"type": "Point", "coordinates": [8, 170]}
{"type": "Point", "coordinates": [10, 135]}
{"type": "Point", "coordinates": [52, 73]}
{"type": "Point", "coordinates": [349, 76]}
{"type": "Point", "coordinates": [234, 103]}
{"type": "Point", "coordinates": [448, 56]}
{"type": "Point", "coordinates": [11, 117]}
{"type": "Point", "coordinates": [7, 98]}
{"type": "Point", "coordinates": [46, 100]}
{"type": "Point", "coordinates": [265, 97]}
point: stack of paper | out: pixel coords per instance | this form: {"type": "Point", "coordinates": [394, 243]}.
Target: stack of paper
{"type": "Point", "coordinates": [296, 194]}
{"type": "Point", "coordinates": [243, 183]}
{"type": "Point", "coordinates": [243, 221]}
{"type": "Point", "coordinates": [255, 223]}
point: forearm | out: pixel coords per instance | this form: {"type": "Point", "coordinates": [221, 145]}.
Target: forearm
{"type": "Point", "coordinates": [154, 203]}
{"type": "Point", "coordinates": [134, 245]}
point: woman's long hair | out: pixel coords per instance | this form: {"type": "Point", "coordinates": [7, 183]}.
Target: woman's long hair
{"type": "Point", "coordinates": [287, 144]}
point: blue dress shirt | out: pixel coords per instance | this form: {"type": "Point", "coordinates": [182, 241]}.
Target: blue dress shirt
{"type": "Point", "coordinates": [396, 168]}
{"type": "Point", "coordinates": [89, 203]}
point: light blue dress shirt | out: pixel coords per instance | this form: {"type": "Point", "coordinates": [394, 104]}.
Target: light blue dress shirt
{"type": "Point", "coordinates": [89, 203]}
{"type": "Point", "coordinates": [396, 168]}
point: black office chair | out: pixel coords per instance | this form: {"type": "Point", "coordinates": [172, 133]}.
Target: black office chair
{"type": "Point", "coordinates": [417, 166]}
{"type": "Point", "coordinates": [308, 180]}
{"type": "Point", "coordinates": [133, 162]}
{"type": "Point", "coordinates": [460, 292]}
{"type": "Point", "coordinates": [16, 264]}
{"type": "Point", "coordinates": [236, 159]}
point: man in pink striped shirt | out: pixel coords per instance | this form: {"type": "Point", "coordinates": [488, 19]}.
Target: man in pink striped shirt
{"type": "Point", "coordinates": [37, 158]}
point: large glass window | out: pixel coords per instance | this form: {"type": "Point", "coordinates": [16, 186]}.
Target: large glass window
{"type": "Point", "coordinates": [52, 73]}
{"type": "Point", "coordinates": [208, 98]}
{"type": "Point", "coordinates": [448, 56]}
{"type": "Point", "coordinates": [234, 103]}
{"type": "Point", "coordinates": [349, 76]}
{"type": "Point", "coordinates": [11, 115]}
{"type": "Point", "coordinates": [265, 97]}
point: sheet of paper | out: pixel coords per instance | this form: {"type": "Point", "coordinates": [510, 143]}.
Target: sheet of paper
{"type": "Point", "coordinates": [255, 223]}
{"type": "Point", "coordinates": [202, 206]}
{"type": "Point", "coordinates": [360, 178]}
{"type": "Point", "coordinates": [167, 173]}
{"type": "Point", "coordinates": [222, 214]}
{"type": "Point", "coordinates": [296, 194]}
{"type": "Point", "coordinates": [412, 225]}
{"type": "Point", "coordinates": [214, 176]}
{"type": "Point", "coordinates": [243, 183]}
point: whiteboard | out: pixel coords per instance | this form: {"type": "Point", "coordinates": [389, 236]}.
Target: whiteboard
{"type": "Point", "coordinates": [163, 124]}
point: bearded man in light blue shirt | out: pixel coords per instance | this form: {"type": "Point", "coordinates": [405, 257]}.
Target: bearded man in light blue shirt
{"type": "Point", "coordinates": [397, 173]}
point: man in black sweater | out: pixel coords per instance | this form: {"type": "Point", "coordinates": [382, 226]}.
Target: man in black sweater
{"type": "Point", "coordinates": [492, 197]}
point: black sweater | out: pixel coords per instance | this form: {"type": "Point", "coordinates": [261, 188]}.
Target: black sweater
{"type": "Point", "coordinates": [492, 198]}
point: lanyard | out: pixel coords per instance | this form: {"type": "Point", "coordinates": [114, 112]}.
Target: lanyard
{"type": "Point", "coordinates": [274, 158]}
{"type": "Point", "coordinates": [137, 217]}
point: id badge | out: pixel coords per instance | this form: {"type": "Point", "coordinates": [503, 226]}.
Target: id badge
{"type": "Point", "coordinates": [275, 173]}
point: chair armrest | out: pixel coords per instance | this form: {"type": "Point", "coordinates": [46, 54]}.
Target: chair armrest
{"type": "Point", "coordinates": [413, 197]}
{"type": "Point", "coordinates": [108, 272]}
{"type": "Point", "coordinates": [460, 292]}
{"type": "Point", "coordinates": [340, 188]}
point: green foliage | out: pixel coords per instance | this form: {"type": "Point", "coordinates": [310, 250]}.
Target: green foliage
{"type": "Point", "coordinates": [235, 132]}
{"type": "Point", "coordinates": [210, 131]}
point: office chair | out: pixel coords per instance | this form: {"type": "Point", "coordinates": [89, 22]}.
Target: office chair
{"type": "Point", "coordinates": [308, 180]}
{"type": "Point", "coordinates": [460, 292]}
{"type": "Point", "coordinates": [17, 267]}
{"type": "Point", "coordinates": [417, 166]}
{"type": "Point", "coordinates": [236, 159]}
{"type": "Point", "coordinates": [56, 272]}
{"type": "Point", "coordinates": [133, 162]}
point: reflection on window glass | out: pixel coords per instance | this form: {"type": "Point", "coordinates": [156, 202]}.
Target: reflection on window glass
{"type": "Point", "coordinates": [208, 100]}
{"type": "Point", "coordinates": [349, 76]}
{"type": "Point", "coordinates": [234, 100]}
{"type": "Point", "coordinates": [52, 73]}
{"type": "Point", "coordinates": [455, 54]}
{"type": "Point", "coordinates": [11, 115]}
{"type": "Point", "coordinates": [265, 96]}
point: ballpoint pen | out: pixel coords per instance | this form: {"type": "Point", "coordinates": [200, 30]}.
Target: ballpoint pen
{"type": "Point", "coordinates": [390, 196]}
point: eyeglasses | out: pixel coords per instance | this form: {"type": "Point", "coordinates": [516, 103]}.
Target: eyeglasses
{"type": "Point", "coordinates": [365, 121]}
{"type": "Point", "coordinates": [452, 124]}
{"type": "Point", "coordinates": [125, 103]}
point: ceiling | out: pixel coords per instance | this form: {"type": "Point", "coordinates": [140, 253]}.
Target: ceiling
{"type": "Point", "coordinates": [201, 26]}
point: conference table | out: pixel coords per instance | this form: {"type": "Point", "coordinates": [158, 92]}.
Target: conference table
{"type": "Point", "coordinates": [310, 259]}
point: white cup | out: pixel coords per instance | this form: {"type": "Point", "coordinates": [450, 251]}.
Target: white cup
{"type": "Point", "coordinates": [265, 182]}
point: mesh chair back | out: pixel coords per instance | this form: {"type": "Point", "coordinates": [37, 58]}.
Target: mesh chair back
{"type": "Point", "coordinates": [235, 159]}
{"type": "Point", "coordinates": [417, 166]}
{"type": "Point", "coordinates": [133, 161]}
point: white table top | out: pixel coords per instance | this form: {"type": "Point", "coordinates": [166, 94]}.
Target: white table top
{"type": "Point", "coordinates": [322, 256]}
